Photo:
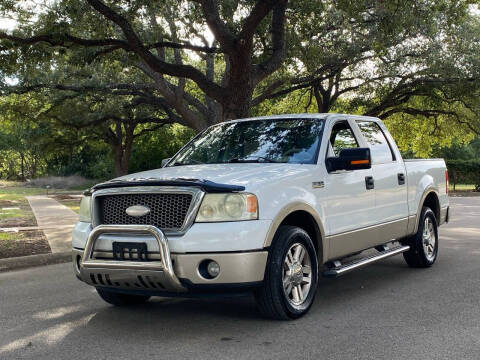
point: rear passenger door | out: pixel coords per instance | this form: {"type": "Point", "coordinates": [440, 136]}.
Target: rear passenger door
{"type": "Point", "coordinates": [349, 204]}
{"type": "Point", "coordinates": [391, 206]}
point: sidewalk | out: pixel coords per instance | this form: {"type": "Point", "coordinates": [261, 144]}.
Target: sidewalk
{"type": "Point", "coordinates": [56, 221]}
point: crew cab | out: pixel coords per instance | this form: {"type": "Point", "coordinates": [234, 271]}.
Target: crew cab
{"type": "Point", "coordinates": [264, 205]}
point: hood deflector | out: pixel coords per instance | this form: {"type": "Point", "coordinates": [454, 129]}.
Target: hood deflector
{"type": "Point", "coordinates": [206, 185]}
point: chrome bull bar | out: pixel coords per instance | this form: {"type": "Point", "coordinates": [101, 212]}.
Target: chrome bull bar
{"type": "Point", "coordinates": [130, 269]}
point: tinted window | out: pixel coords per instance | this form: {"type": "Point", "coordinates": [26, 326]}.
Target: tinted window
{"type": "Point", "coordinates": [373, 134]}
{"type": "Point", "coordinates": [342, 138]}
{"type": "Point", "coordinates": [284, 141]}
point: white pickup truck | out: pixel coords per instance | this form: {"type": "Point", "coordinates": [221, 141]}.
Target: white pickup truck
{"type": "Point", "coordinates": [263, 205]}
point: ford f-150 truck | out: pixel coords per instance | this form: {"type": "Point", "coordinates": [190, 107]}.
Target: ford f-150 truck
{"type": "Point", "coordinates": [263, 205]}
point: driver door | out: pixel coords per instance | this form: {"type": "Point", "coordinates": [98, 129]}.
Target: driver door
{"type": "Point", "coordinates": [349, 204]}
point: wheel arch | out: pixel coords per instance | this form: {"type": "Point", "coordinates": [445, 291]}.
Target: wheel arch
{"type": "Point", "coordinates": [431, 199]}
{"type": "Point", "coordinates": [304, 216]}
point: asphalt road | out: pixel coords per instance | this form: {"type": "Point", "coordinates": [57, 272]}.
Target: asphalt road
{"type": "Point", "coordinates": [384, 311]}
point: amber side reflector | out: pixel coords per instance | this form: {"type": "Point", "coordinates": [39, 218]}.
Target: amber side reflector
{"type": "Point", "coordinates": [252, 205]}
{"type": "Point", "coordinates": [447, 184]}
{"type": "Point", "coordinates": [359, 162]}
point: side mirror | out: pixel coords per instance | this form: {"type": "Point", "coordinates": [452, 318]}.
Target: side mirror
{"type": "Point", "coordinates": [350, 159]}
{"type": "Point", "coordinates": [165, 161]}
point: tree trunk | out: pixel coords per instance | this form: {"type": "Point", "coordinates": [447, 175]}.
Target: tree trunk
{"type": "Point", "coordinates": [237, 104]}
{"type": "Point", "coordinates": [119, 163]}
{"type": "Point", "coordinates": [236, 108]}
{"type": "Point", "coordinates": [323, 98]}
{"type": "Point", "coordinates": [22, 166]}
{"type": "Point", "coordinates": [122, 149]}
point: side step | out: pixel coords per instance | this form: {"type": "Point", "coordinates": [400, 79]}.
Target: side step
{"type": "Point", "coordinates": [338, 269]}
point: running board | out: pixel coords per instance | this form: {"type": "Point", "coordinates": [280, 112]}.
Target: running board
{"type": "Point", "coordinates": [338, 269]}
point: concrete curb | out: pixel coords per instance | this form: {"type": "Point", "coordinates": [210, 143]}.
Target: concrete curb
{"type": "Point", "coordinates": [23, 262]}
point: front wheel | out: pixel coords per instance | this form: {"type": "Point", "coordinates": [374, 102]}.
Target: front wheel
{"type": "Point", "coordinates": [291, 276]}
{"type": "Point", "coordinates": [119, 299]}
{"type": "Point", "coordinates": [424, 244]}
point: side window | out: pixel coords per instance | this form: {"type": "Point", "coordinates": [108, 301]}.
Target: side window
{"type": "Point", "coordinates": [341, 138]}
{"type": "Point", "coordinates": [379, 146]}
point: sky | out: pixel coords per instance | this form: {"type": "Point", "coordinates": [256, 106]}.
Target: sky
{"type": "Point", "coordinates": [7, 24]}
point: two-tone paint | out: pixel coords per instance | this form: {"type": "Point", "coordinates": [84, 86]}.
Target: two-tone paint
{"type": "Point", "coordinates": [346, 217]}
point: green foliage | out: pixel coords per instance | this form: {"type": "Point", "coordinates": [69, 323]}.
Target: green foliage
{"type": "Point", "coordinates": [419, 135]}
{"type": "Point", "coordinates": [415, 64]}
{"type": "Point", "coordinates": [459, 151]}
{"type": "Point", "coordinates": [464, 172]}
{"type": "Point", "coordinates": [87, 160]}
{"type": "Point", "coordinates": [151, 149]}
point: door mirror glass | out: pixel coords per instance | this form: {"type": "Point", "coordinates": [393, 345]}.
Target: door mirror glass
{"type": "Point", "coordinates": [350, 159]}
{"type": "Point", "coordinates": [165, 161]}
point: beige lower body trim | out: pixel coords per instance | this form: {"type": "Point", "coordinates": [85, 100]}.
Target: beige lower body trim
{"type": "Point", "coordinates": [357, 240]}
{"type": "Point", "coordinates": [412, 222]}
{"type": "Point", "coordinates": [234, 267]}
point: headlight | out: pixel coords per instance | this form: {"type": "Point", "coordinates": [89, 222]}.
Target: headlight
{"type": "Point", "coordinates": [85, 214]}
{"type": "Point", "coordinates": [228, 207]}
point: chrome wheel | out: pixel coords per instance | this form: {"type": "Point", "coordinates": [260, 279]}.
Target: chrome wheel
{"type": "Point", "coordinates": [429, 239]}
{"type": "Point", "coordinates": [297, 274]}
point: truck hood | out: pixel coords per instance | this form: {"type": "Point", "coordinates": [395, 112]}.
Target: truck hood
{"type": "Point", "coordinates": [251, 176]}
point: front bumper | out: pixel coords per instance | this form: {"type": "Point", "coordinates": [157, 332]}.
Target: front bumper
{"type": "Point", "coordinates": [166, 273]}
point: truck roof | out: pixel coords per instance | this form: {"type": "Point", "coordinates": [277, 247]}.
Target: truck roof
{"type": "Point", "coordinates": [323, 116]}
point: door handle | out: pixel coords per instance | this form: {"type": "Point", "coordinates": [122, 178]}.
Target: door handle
{"type": "Point", "coordinates": [401, 179]}
{"type": "Point", "coordinates": [369, 182]}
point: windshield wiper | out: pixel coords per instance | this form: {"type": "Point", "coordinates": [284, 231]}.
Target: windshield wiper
{"type": "Point", "coordinates": [192, 162]}
{"type": "Point", "coordinates": [257, 159]}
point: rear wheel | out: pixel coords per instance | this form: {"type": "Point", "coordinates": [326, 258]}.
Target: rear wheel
{"type": "Point", "coordinates": [291, 276]}
{"type": "Point", "coordinates": [424, 244]}
{"type": "Point", "coordinates": [119, 299]}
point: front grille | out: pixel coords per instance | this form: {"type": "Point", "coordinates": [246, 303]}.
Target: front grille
{"type": "Point", "coordinates": [167, 211]}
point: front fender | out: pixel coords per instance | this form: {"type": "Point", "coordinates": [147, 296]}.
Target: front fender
{"type": "Point", "coordinates": [300, 206]}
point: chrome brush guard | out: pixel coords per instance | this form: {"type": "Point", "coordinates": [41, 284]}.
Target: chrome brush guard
{"type": "Point", "coordinates": [153, 275]}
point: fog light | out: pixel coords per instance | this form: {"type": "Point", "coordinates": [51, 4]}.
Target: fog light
{"type": "Point", "coordinates": [213, 269]}
{"type": "Point", "coordinates": [208, 269]}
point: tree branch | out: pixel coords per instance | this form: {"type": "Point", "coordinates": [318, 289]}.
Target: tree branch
{"type": "Point", "coordinates": [154, 62]}
{"type": "Point", "coordinates": [261, 71]}
{"type": "Point", "coordinates": [64, 40]}
{"type": "Point", "coordinates": [219, 29]}
{"type": "Point", "coordinates": [258, 13]}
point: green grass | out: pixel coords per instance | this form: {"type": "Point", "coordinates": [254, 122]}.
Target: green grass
{"type": "Point", "coordinates": [5, 236]}
{"type": "Point", "coordinates": [8, 238]}
{"type": "Point", "coordinates": [13, 213]}
{"type": "Point", "coordinates": [11, 190]}
{"type": "Point", "coordinates": [18, 193]}
{"type": "Point", "coordinates": [72, 204]}
{"type": "Point", "coordinates": [462, 187]}
{"type": "Point", "coordinates": [12, 194]}
{"type": "Point", "coordinates": [86, 186]}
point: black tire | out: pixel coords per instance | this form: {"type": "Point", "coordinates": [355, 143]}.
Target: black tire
{"type": "Point", "coordinates": [119, 299]}
{"type": "Point", "coordinates": [417, 257]}
{"type": "Point", "coordinates": [271, 298]}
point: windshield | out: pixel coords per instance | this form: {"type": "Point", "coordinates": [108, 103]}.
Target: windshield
{"type": "Point", "coordinates": [294, 141]}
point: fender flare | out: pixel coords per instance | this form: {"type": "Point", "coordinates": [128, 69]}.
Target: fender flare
{"type": "Point", "coordinates": [289, 209]}
{"type": "Point", "coordinates": [430, 189]}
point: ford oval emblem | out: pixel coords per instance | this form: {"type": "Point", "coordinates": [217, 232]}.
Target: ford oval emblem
{"type": "Point", "coordinates": [137, 210]}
